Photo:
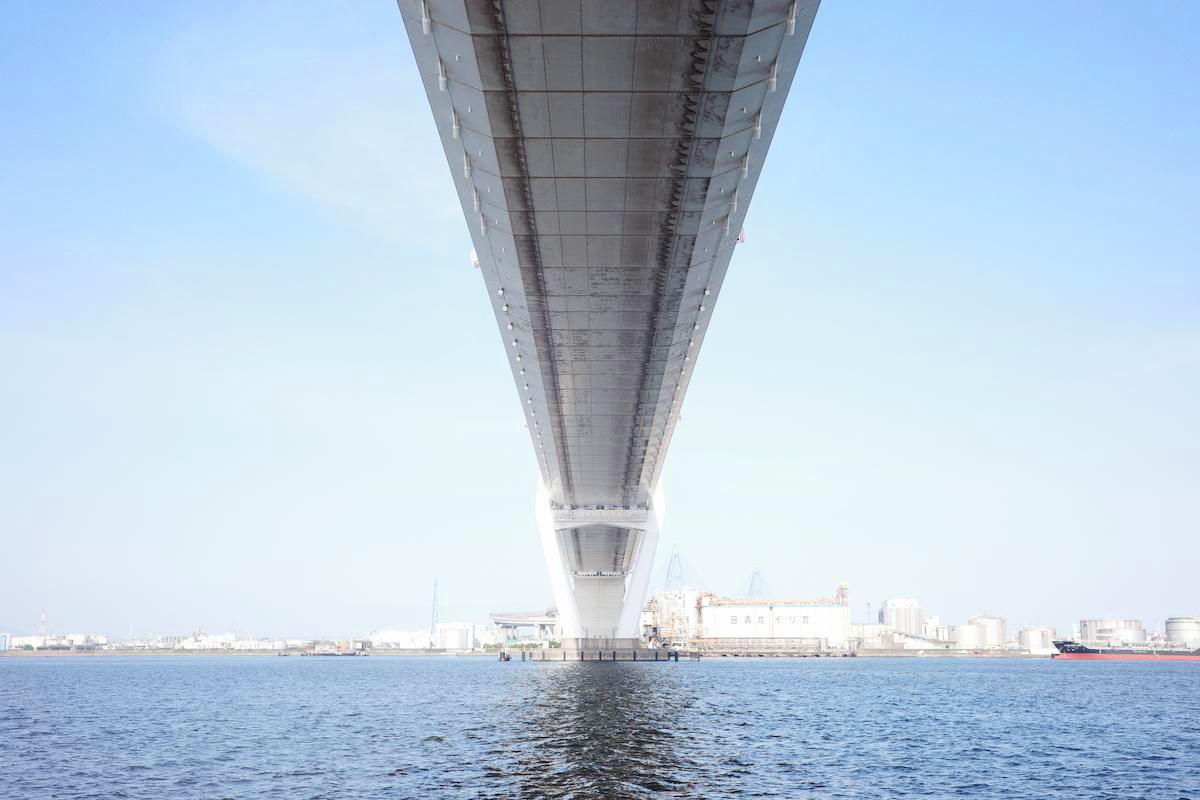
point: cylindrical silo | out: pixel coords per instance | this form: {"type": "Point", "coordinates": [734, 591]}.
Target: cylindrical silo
{"type": "Point", "coordinates": [995, 629]}
{"type": "Point", "coordinates": [1184, 631]}
{"type": "Point", "coordinates": [455, 638]}
{"type": "Point", "coordinates": [1037, 639]}
{"type": "Point", "coordinates": [969, 636]}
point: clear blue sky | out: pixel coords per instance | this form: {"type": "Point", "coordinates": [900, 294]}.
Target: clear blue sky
{"type": "Point", "coordinates": [249, 378]}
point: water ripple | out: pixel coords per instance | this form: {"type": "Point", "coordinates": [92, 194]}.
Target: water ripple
{"type": "Point", "coordinates": [466, 728]}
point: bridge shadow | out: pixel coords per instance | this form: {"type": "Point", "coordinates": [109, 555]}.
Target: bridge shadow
{"type": "Point", "coordinates": [600, 730]}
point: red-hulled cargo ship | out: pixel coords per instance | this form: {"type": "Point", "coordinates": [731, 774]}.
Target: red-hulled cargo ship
{"type": "Point", "coordinates": [1132, 652]}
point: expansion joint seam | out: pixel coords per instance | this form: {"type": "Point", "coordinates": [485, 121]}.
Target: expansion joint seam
{"type": "Point", "coordinates": [541, 337]}
{"type": "Point", "coordinates": [692, 108]}
{"type": "Point", "coordinates": [503, 32]}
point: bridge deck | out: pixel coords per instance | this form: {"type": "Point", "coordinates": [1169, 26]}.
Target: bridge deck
{"type": "Point", "coordinates": [605, 153]}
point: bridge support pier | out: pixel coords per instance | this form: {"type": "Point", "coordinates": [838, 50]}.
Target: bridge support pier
{"type": "Point", "coordinates": [599, 562]}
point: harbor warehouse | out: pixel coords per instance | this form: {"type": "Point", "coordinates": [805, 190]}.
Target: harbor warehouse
{"type": "Point", "coordinates": [825, 620]}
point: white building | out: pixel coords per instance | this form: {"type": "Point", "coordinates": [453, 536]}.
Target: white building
{"type": "Point", "coordinates": [204, 641]}
{"type": "Point", "coordinates": [522, 627]}
{"type": "Point", "coordinates": [871, 634]}
{"type": "Point", "coordinates": [74, 641]}
{"type": "Point", "coordinates": [86, 639]}
{"type": "Point", "coordinates": [677, 615]}
{"type": "Point", "coordinates": [727, 619]}
{"type": "Point", "coordinates": [933, 629]}
{"type": "Point", "coordinates": [902, 614]}
{"type": "Point", "coordinates": [457, 636]}
{"type": "Point", "coordinates": [23, 642]}
{"type": "Point", "coordinates": [877, 636]}
{"type": "Point", "coordinates": [399, 640]}
{"type": "Point", "coordinates": [266, 645]}
{"type": "Point", "coordinates": [691, 616]}
{"type": "Point", "coordinates": [826, 620]}
{"type": "Point", "coordinates": [491, 636]}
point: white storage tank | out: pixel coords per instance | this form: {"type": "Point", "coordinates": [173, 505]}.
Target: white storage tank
{"type": "Point", "coordinates": [456, 638]}
{"type": "Point", "coordinates": [1184, 631]}
{"type": "Point", "coordinates": [1111, 630]}
{"type": "Point", "coordinates": [1038, 639]}
{"type": "Point", "coordinates": [995, 629]}
{"type": "Point", "coordinates": [969, 636]}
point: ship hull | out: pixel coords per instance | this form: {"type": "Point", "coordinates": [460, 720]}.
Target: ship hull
{"type": "Point", "coordinates": [1073, 651]}
{"type": "Point", "coordinates": [1125, 657]}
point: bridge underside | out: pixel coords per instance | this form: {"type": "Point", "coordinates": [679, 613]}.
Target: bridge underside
{"type": "Point", "coordinates": [604, 152]}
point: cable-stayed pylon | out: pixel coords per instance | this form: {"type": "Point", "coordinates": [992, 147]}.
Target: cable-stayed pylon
{"type": "Point", "coordinates": [675, 578]}
{"type": "Point", "coordinates": [758, 588]}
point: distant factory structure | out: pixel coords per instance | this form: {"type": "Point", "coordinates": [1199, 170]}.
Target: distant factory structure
{"type": "Point", "coordinates": [698, 621]}
{"type": "Point", "coordinates": [199, 641]}
{"type": "Point", "coordinates": [685, 619]}
{"type": "Point", "coordinates": [902, 614]}
{"type": "Point", "coordinates": [980, 631]}
{"type": "Point", "coordinates": [701, 621]}
{"type": "Point", "coordinates": [526, 626]}
{"type": "Point", "coordinates": [906, 631]}
{"type": "Point", "coordinates": [1037, 639]}
{"type": "Point", "coordinates": [71, 642]}
{"type": "Point", "coordinates": [446, 637]}
{"type": "Point", "coordinates": [987, 634]}
{"type": "Point", "coordinates": [1112, 631]}
{"type": "Point", "coordinates": [1183, 631]}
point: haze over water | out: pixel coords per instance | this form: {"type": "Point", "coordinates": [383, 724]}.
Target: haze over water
{"type": "Point", "coordinates": [422, 727]}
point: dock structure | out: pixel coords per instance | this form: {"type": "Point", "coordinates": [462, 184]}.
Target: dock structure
{"type": "Point", "coordinates": [564, 655]}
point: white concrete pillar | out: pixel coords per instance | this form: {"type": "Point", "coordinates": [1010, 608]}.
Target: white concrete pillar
{"type": "Point", "coordinates": [599, 604]}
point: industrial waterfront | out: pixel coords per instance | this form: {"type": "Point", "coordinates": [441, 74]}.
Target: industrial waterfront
{"type": "Point", "coordinates": [283, 518]}
{"type": "Point", "coordinates": [683, 620]}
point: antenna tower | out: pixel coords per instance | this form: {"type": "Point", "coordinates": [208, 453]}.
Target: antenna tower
{"type": "Point", "coordinates": [433, 622]}
{"type": "Point", "coordinates": [42, 624]}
